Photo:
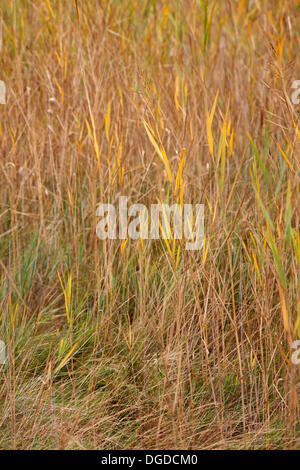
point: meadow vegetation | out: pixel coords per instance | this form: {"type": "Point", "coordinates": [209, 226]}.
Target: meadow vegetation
{"type": "Point", "coordinates": [124, 344]}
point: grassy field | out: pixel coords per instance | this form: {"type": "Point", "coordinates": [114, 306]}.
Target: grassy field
{"type": "Point", "coordinates": [124, 344]}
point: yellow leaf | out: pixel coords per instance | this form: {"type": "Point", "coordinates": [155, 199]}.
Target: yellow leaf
{"type": "Point", "coordinates": [209, 120]}
{"type": "Point", "coordinates": [160, 151]}
{"type": "Point", "coordinates": [64, 361]}
{"type": "Point", "coordinates": [284, 310]}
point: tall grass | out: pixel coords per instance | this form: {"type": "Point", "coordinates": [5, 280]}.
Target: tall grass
{"type": "Point", "coordinates": [130, 344]}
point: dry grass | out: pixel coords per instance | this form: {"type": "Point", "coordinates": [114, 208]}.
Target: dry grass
{"type": "Point", "coordinates": [113, 345]}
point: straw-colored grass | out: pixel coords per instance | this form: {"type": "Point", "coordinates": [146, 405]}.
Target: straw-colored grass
{"type": "Point", "coordinates": [127, 344]}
